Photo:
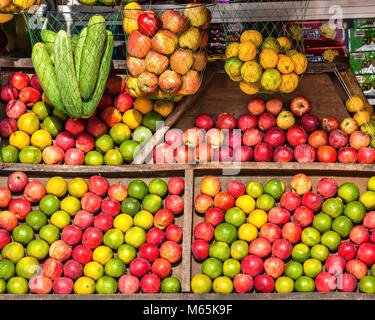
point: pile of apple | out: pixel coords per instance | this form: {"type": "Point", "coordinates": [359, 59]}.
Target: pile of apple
{"type": "Point", "coordinates": [97, 240]}
{"type": "Point", "coordinates": [269, 133]}
{"type": "Point", "coordinates": [262, 238]}
{"type": "Point", "coordinates": [166, 54]}
{"type": "Point", "coordinates": [80, 141]}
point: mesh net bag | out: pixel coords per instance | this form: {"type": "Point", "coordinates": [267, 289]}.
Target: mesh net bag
{"type": "Point", "coordinates": [263, 52]}
{"type": "Point", "coordinates": [72, 54]}
{"type": "Point", "coordinates": [166, 49]}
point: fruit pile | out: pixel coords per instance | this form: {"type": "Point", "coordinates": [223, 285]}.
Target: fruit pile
{"type": "Point", "coordinates": [321, 241]}
{"type": "Point", "coordinates": [267, 65]}
{"type": "Point", "coordinates": [268, 133]}
{"type": "Point", "coordinates": [113, 135]}
{"type": "Point", "coordinates": [12, 6]}
{"type": "Point", "coordinates": [166, 54]}
{"type": "Point", "coordinates": [85, 235]}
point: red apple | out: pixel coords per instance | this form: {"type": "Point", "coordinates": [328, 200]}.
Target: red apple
{"type": "Point", "coordinates": [236, 189]}
{"type": "Point", "coordinates": [15, 109]}
{"type": "Point", "coordinates": [282, 154]}
{"type": "Point", "coordinates": [200, 249]}
{"type": "Point", "coordinates": [174, 233]}
{"type": "Point", "coordinates": [128, 284]}
{"type": "Point", "coordinates": [260, 247]}
{"type": "Point", "coordinates": [278, 216]}
{"type": "Point", "coordinates": [65, 140]}
{"type": "Point", "coordinates": [359, 235]}
{"type": "Point", "coordinates": [275, 137]}
{"type": "Point", "coordinates": [40, 284]}
{"type": "Point", "coordinates": [63, 285]}
{"type": "Point", "coordinates": [139, 267]}
{"type": "Point", "coordinates": [266, 121]}
{"type": "Point", "coordinates": [17, 181]}
{"type": "Point", "coordinates": [8, 93]}
{"type": "Point", "coordinates": [75, 126]}
{"type": "Point", "coordinates": [174, 138]}
{"type": "Point", "coordinates": [270, 231]}
{"type": "Point", "coordinates": [304, 153]}
{"type": "Point", "coordinates": [292, 232]}
{"type": "Point", "coordinates": [274, 106]}
{"type": "Point", "coordinates": [155, 236]}
{"type": "Point", "coordinates": [20, 207]}
{"type": "Point", "coordinates": [274, 267]}
{"type": "Point", "coordinates": [204, 231]}
{"type": "Point", "coordinates": [176, 186]}
{"type": "Point", "coordinates": [358, 140]}
{"type": "Point", "coordinates": [150, 283]}
{"type": "Point", "coordinates": [366, 253]}
{"type": "Point", "coordinates": [224, 201]}
{"type": "Point", "coordinates": [60, 250]}
{"type": "Point", "coordinates": [329, 123]}
{"type": "Point", "coordinates": [123, 102]}
{"type": "Point", "coordinates": [310, 122]}
{"type": "Point", "coordinates": [256, 107]}
{"type": "Point", "coordinates": [4, 238]}
{"type": "Point", "coordinates": [296, 135]}
{"type": "Point", "coordinates": [83, 219]}
{"type": "Point", "coordinates": [74, 157]}
{"type": "Point", "coordinates": [282, 249]}
{"type": "Point", "coordinates": [214, 216]}
{"type": "Point", "coordinates": [182, 154]}
{"type": "Point", "coordinates": [52, 268]}
{"type": "Point", "coordinates": [171, 251]}
{"type": "Point", "coordinates": [193, 137]}
{"type": "Point", "coordinates": [161, 267]}
{"type": "Point", "coordinates": [149, 251]}
{"type": "Point", "coordinates": [202, 203]}
{"type": "Point", "coordinates": [290, 201]}
{"type": "Point", "coordinates": [325, 282]}
{"type": "Point", "coordinates": [347, 155]}
{"type": "Point", "coordinates": [163, 218]}
{"type": "Point", "coordinates": [326, 154]}
{"type": "Point", "coordinates": [300, 106]}
{"type": "Point", "coordinates": [346, 282]}
{"type": "Point", "coordinates": [263, 152]}
{"type": "Point", "coordinates": [73, 269]}
{"type": "Point", "coordinates": [335, 265]}
{"type": "Point", "coordinates": [327, 188]}
{"type": "Point", "coordinates": [204, 121]}
{"type": "Point", "coordinates": [233, 139]}
{"type": "Point", "coordinates": [92, 238]}
{"type": "Point", "coordinates": [110, 207]}
{"type": "Point", "coordinates": [72, 235]}
{"type": "Point", "coordinates": [98, 185]}
{"type": "Point", "coordinates": [34, 191]}
{"type": "Point", "coordinates": [149, 23]}
{"type": "Point", "coordinates": [301, 183]}
{"type": "Point", "coordinates": [103, 222]}
{"type": "Point", "coordinates": [264, 283]}
{"type": "Point", "coordinates": [7, 127]}
{"type": "Point", "coordinates": [357, 268]}
{"type": "Point", "coordinates": [95, 127]}
{"type": "Point", "coordinates": [366, 155]}
{"type": "Point", "coordinates": [225, 121]}
{"type": "Point", "coordinates": [175, 204]}
{"type": "Point", "coordinates": [252, 265]}
{"type": "Point", "coordinates": [243, 154]}
{"type": "Point", "coordinates": [252, 137]}
{"type": "Point", "coordinates": [82, 254]}
{"type": "Point", "coordinates": [18, 80]}
{"type": "Point", "coordinates": [91, 202]}
{"type": "Point", "coordinates": [318, 138]}
{"type": "Point", "coordinates": [85, 142]}
{"type": "Point", "coordinates": [247, 121]}
{"type": "Point", "coordinates": [337, 138]}
{"type": "Point", "coordinates": [224, 154]}
{"type": "Point", "coordinates": [313, 201]}
{"type": "Point", "coordinates": [347, 250]}
{"type": "Point", "coordinates": [242, 283]}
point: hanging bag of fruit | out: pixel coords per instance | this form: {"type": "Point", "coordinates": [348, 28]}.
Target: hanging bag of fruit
{"type": "Point", "coordinates": [166, 51]}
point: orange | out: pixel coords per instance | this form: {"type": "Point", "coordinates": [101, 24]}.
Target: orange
{"type": "Point", "coordinates": [60, 219]}
{"type": "Point", "coordinates": [271, 80]}
{"type": "Point", "coordinates": [247, 51]}
{"type": "Point", "coordinates": [163, 107]}
{"type": "Point", "coordinates": [285, 64]}
{"type": "Point", "coordinates": [132, 118]}
{"type": "Point", "coordinates": [57, 186]}
{"type": "Point", "coordinates": [132, 10]}
{"type": "Point", "coordinates": [102, 254]}
{"type": "Point", "coordinates": [300, 63]}
{"type": "Point", "coordinates": [77, 187]}
{"type": "Point", "coordinates": [284, 43]}
{"type": "Point", "coordinates": [70, 205]}
{"type": "Point", "coordinates": [84, 285]}
{"type": "Point", "coordinates": [143, 105]}
{"type": "Point", "coordinates": [268, 58]}
{"type": "Point", "coordinates": [251, 71]}
{"type": "Point", "coordinates": [41, 139]}
{"type": "Point", "coordinates": [253, 36]}
{"type": "Point", "coordinates": [362, 117]}
{"type": "Point", "coordinates": [28, 123]}
{"type": "Point", "coordinates": [19, 139]}
{"type": "Point", "coordinates": [354, 104]}
{"type": "Point", "coordinates": [289, 83]}
{"type": "Point", "coordinates": [249, 88]}
{"type": "Point", "coordinates": [258, 218]}
{"type": "Point", "coordinates": [93, 270]}
{"type": "Point", "coordinates": [232, 50]}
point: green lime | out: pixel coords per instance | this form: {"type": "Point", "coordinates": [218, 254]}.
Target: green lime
{"type": "Point", "coordinates": [158, 186]}
{"type": "Point", "coordinates": [126, 253]}
{"type": "Point", "coordinates": [135, 236]}
{"type": "Point", "coordinates": [293, 269]}
{"type": "Point", "coordinates": [367, 284]}
{"type": "Point", "coordinates": [130, 206]}
{"type": "Point", "coordinates": [7, 269]}
{"type": "Point", "coordinates": [367, 198]}
{"type": "Point", "coordinates": [113, 157]}
{"type": "Point", "coordinates": [300, 252]}
{"type": "Point", "coordinates": [120, 132]}
{"type": "Point", "coordinates": [201, 283]}
{"type": "Point", "coordinates": [226, 232]}
{"type": "Point", "coordinates": [27, 267]}
{"type": "Point", "coordinates": [141, 135]}
{"type": "Point", "coordinates": [235, 216]}
{"type": "Point", "coordinates": [265, 202]}
{"type": "Point", "coordinates": [113, 238]}
{"type": "Point", "coordinates": [331, 239]}
{"type": "Point", "coordinates": [36, 220]}
{"type": "Point", "coordinates": [219, 250]}
{"type": "Point", "coordinates": [310, 236]}
{"type": "Point", "coordinates": [23, 233]}
{"type": "Point", "coordinates": [49, 204]}
{"type": "Point", "coordinates": [143, 219]}
{"type": "Point", "coordinates": [94, 158]}
{"type": "Point", "coordinates": [137, 189]}
{"type": "Point", "coordinates": [30, 154]}
{"type": "Point", "coordinates": [115, 268]}
{"type": "Point", "coordinates": [319, 252]}
{"type": "Point", "coordinates": [41, 110]}
{"type": "Point", "coordinates": [348, 192]}
{"type": "Point", "coordinates": [106, 285]}
{"type": "Point", "coordinates": [153, 120]}
{"type": "Point", "coordinates": [152, 203]}
{"type": "Point", "coordinates": [129, 150]}
{"type": "Point", "coordinates": [322, 222]}
{"type": "Point", "coordinates": [334, 207]}
{"type": "Point", "coordinates": [49, 233]}
{"type": "Point", "coordinates": [274, 188]}
{"type": "Point", "coordinates": [239, 249]}
{"type": "Point", "coordinates": [304, 284]}
{"type": "Point", "coordinates": [53, 125]}
{"type": "Point", "coordinates": [59, 114]}
{"type": "Point", "coordinates": [104, 143]}
{"type": "Point", "coordinates": [342, 225]}
{"type": "Point", "coordinates": [170, 285]}
{"type": "Point", "coordinates": [222, 285]}
{"type": "Point", "coordinates": [212, 267]}
{"type": "Point", "coordinates": [9, 153]}
{"type": "Point", "coordinates": [17, 285]}
{"type": "Point", "coordinates": [231, 268]}
{"type": "Point", "coordinates": [355, 211]}
{"type": "Point", "coordinates": [38, 249]}
{"type": "Point", "coordinates": [312, 267]}
{"type": "Point", "coordinates": [284, 285]}
{"type": "Point", "coordinates": [254, 189]}
{"type": "Point", "coordinates": [13, 251]}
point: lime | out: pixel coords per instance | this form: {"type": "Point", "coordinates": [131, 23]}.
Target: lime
{"type": "Point", "coordinates": [226, 232]}
{"type": "Point", "coordinates": [27, 267]}
{"type": "Point", "coordinates": [312, 267]}
{"type": "Point", "coordinates": [322, 222]}
{"type": "Point", "coordinates": [367, 284]}
{"type": "Point", "coordinates": [53, 125]}
{"type": "Point", "coordinates": [170, 285]}
{"type": "Point", "coordinates": [152, 203]}
{"type": "Point", "coordinates": [41, 110]}
{"type": "Point", "coordinates": [284, 285]}
{"type": "Point", "coordinates": [23, 233]}
{"type": "Point", "coordinates": [319, 252]}
{"type": "Point", "coordinates": [293, 270]}
{"type": "Point", "coordinates": [342, 225]}
{"type": "Point", "coordinates": [274, 188]}
{"type": "Point", "coordinates": [36, 220]}
{"type": "Point", "coordinates": [331, 239]}
{"type": "Point", "coordinates": [58, 113]}
{"type": "Point", "coordinates": [135, 236]}
{"type": "Point", "coordinates": [143, 219]}
{"type": "Point", "coordinates": [300, 252]}
{"type": "Point", "coordinates": [348, 192]}
{"type": "Point", "coordinates": [60, 219]}
{"type": "Point", "coordinates": [129, 150]}
{"type": "Point", "coordinates": [141, 135]}
{"type": "Point", "coordinates": [120, 132]}
{"type": "Point", "coordinates": [231, 268]}
{"type": "Point", "coordinates": [93, 270]}
{"type": "Point", "coordinates": [235, 216]}
{"type": "Point", "coordinates": [201, 283]}
{"type": "Point", "coordinates": [115, 268]}
{"type": "Point", "coordinates": [333, 207]}
{"type": "Point", "coordinates": [265, 202]}
{"type": "Point", "coordinates": [212, 267]}
{"type": "Point", "coordinates": [28, 122]}
{"type": "Point", "coordinates": [239, 249]}
{"type": "Point", "coordinates": [9, 154]}
{"type": "Point", "coordinates": [219, 250]}
{"type": "Point", "coordinates": [355, 211]}
{"type": "Point", "coordinates": [137, 189]}
{"type": "Point", "coordinates": [310, 236]}
{"type": "Point", "coordinates": [30, 154]}
{"type": "Point", "coordinates": [7, 269]}
{"type": "Point", "coordinates": [49, 204]}
{"type": "Point", "coordinates": [49, 233]}
{"type": "Point", "coordinates": [159, 187]}
{"type": "Point", "coordinates": [104, 143]}
{"type": "Point", "coordinates": [113, 238]}
{"type": "Point", "coordinates": [153, 121]}
{"type": "Point", "coordinates": [38, 249]}
{"type": "Point", "coordinates": [222, 285]}
{"type": "Point", "coordinates": [304, 284]}
{"type": "Point", "coordinates": [106, 285]}
{"type": "Point", "coordinates": [367, 198]}
{"type": "Point", "coordinates": [254, 189]}
{"type": "Point", "coordinates": [113, 157]}
{"type": "Point", "coordinates": [102, 254]}
{"type": "Point", "coordinates": [70, 205]}
{"type": "Point", "coordinates": [13, 251]}
{"type": "Point", "coordinates": [130, 206]}
{"type": "Point", "coordinates": [94, 158]}
{"type": "Point", "coordinates": [17, 285]}
{"type": "Point", "coordinates": [126, 253]}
